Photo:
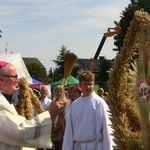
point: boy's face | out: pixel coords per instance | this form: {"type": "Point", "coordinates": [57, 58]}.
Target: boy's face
{"type": "Point", "coordinates": [87, 87]}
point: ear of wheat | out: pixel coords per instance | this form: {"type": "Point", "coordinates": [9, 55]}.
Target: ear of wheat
{"type": "Point", "coordinates": [27, 99]}
{"type": "Point", "coordinates": [69, 62]}
{"type": "Point", "coordinates": [132, 92]}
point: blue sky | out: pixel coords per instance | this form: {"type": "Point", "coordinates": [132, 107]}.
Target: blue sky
{"type": "Point", "coordinates": [38, 28]}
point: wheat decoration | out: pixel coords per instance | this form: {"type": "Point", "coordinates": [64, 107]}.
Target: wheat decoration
{"type": "Point", "coordinates": [139, 76]}
{"type": "Point", "coordinates": [69, 62]}
{"type": "Point", "coordinates": [128, 114]}
{"type": "Point", "coordinates": [117, 84]}
{"type": "Point", "coordinates": [27, 100]}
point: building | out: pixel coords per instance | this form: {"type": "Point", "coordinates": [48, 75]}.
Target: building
{"type": "Point", "coordinates": [86, 63]}
{"type": "Point", "coordinates": [28, 60]}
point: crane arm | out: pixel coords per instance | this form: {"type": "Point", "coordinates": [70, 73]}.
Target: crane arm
{"type": "Point", "coordinates": [109, 33]}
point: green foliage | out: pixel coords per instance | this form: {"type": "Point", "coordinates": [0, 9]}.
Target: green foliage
{"type": "Point", "coordinates": [126, 17]}
{"type": "Point", "coordinates": [105, 65]}
{"type": "Point", "coordinates": [59, 70]}
{"type": "Point", "coordinates": [103, 76]}
{"type": "Point", "coordinates": [131, 143]}
{"type": "Point", "coordinates": [0, 34]}
{"type": "Point", "coordinates": [50, 74]}
{"type": "Point", "coordinates": [38, 72]}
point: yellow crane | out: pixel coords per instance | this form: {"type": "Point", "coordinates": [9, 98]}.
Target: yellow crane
{"type": "Point", "coordinates": [110, 32]}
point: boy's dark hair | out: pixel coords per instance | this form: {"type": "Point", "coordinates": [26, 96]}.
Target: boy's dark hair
{"type": "Point", "coordinates": [86, 76]}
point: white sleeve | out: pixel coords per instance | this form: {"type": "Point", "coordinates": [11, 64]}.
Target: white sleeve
{"type": "Point", "coordinates": [68, 142]}
{"type": "Point", "coordinates": [16, 130]}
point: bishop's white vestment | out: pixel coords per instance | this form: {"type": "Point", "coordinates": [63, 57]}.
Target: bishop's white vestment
{"type": "Point", "coordinates": [88, 125]}
{"type": "Point", "coordinates": [16, 132]}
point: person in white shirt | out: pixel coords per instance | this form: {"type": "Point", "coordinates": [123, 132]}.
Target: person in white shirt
{"type": "Point", "coordinates": [88, 123]}
{"type": "Point", "coordinates": [16, 131]}
{"type": "Point", "coordinates": [45, 101]}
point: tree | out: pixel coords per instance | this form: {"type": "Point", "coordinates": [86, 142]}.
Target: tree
{"type": "Point", "coordinates": [0, 34]}
{"type": "Point", "coordinates": [50, 74]}
{"type": "Point", "coordinates": [38, 72]}
{"type": "Point", "coordinates": [126, 17]}
{"type": "Point", "coordinates": [103, 75]}
{"type": "Point", "coordinates": [59, 70]}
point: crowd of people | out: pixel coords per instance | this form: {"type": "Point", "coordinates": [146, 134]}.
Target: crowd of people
{"type": "Point", "coordinates": [78, 121]}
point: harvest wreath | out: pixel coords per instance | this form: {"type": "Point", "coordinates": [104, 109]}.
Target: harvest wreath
{"type": "Point", "coordinates": [27, 100]}
{"type": "Point", "coordinates": [129, 82]}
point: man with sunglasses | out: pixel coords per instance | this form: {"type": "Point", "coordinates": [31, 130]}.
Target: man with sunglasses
{"type": "Point", "coordinates": [15, 131]}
